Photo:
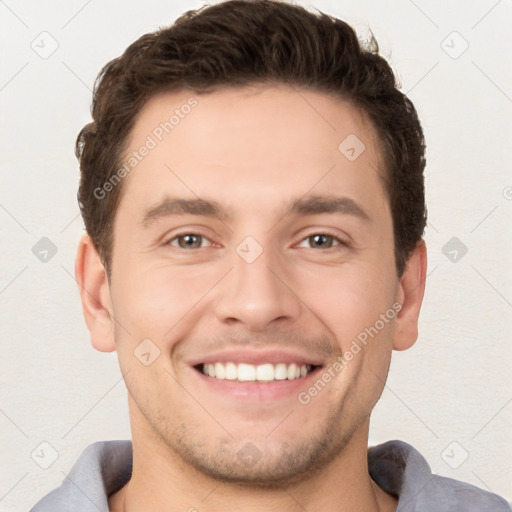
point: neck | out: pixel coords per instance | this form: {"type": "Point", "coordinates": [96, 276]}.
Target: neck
{"type": "Point", "coordinates": [161, 481]}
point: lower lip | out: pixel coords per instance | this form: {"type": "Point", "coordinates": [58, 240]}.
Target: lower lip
{"type": "Point", "coordinates": [258, 391]}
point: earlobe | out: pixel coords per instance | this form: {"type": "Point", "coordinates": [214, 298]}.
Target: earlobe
{"type": "Point", "coordinates": [95, 295]}
{"type": "Point", "coordinates": [411, 292]}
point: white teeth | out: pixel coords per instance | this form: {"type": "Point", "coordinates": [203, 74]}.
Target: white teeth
{"type": "Point", "coordinates": [231, 372]}
{"type": "Point", "coordinates": [245, 372]}
{"type": "Point", "coordinates": [250, 373]}
{"type": "Point", "coordinates": [290, 374]}
{"type": "Point", "coordinates": [220, 372]}
{"type": "Point", "coordinates": [265, 372]}
{"type": "Point", "coordinates": [280, 371]}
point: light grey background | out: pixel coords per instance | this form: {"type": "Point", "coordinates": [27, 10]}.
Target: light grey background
{"type": "Point", "coordinates": [450, 395]}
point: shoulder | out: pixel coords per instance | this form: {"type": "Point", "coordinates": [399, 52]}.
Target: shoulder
{"type": "Point", "coordinates": [101, 469]}
{"type": "Point", "coordinates": [402, 471]}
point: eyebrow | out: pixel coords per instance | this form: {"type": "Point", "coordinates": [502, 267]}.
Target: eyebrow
{"type": "Point", "coordinates": [309, 205]}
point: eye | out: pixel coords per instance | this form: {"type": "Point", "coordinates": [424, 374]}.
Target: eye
{"type": "Point", "coordinates": [188, 241]}
{"type": "Point", "coordinates": [197, 241]}
{"type": "Point", "coordinates": [322, 241]}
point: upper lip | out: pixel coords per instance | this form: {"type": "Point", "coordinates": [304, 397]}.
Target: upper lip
{"type": "Point", "coordinates": [256, 357]}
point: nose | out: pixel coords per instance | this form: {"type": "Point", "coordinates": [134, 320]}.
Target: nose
{"type": "Point", "coordinates": [257, 294]}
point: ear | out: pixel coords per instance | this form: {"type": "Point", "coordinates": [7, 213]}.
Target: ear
{"type": "Point", "coordinates": [94, 291]}
{"type": "Point", "coordinates": [411, 291]}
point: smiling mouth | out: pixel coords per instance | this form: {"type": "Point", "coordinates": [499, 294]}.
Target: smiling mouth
{"type": "Point", "coordinates": [243, 372]}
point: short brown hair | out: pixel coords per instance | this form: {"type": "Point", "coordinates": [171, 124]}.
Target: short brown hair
{"type": "Point", "coordinates": [239, 43]}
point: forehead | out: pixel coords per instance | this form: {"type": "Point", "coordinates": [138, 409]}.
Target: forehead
{"type": "Point", "coordinates": [252, 142]}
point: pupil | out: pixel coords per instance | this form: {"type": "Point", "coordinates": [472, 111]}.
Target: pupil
{"type": "Point", "coordinates": [321, 240]}
{"type": "Point", "coordinates": [190, 240]}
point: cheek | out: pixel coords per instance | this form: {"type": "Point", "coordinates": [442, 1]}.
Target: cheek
{"type": "Point", "coordinates": [157, 301]}
{"type": "Point", "coordinates": [358, 309]}
{"type": "Point", "coordinates": [349, 299]}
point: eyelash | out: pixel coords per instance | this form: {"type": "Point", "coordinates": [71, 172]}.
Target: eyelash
{"type": "Point", "coordinates": [340, 242]}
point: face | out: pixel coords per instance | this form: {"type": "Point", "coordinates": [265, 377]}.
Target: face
{"type": "Point", "coordinates": [253, 244]}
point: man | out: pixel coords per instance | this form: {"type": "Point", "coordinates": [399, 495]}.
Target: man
{"type": "Point", "coordinates": [252, 190]}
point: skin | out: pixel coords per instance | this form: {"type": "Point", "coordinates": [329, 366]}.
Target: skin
{"type": "Point", "coordinates": [253, 150]}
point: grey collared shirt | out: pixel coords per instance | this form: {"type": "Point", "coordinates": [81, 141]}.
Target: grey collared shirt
{"type": "Point", "coordinates": [399, 469]}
